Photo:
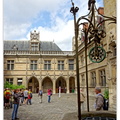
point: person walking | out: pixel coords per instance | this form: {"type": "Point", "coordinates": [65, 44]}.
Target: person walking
{"type": "Point", "coordinates": [16, 101]}
{"type": "Point", "coordinates": [25, 96]}
{"type": "Point", "coordinates": [29, 97]}
{"type": "Point", "coordinates": [49, 93]}
{"type": "Point", "coordinates": [4, 97]}
{"type": "Point", "coordinates": [82, 99]}
{"type": "Point", "coordinates": [99, 102]}
{"type": "Point", "coordinates": [40, 93]}
{"type": "Point", "coordinates": [7, 95]}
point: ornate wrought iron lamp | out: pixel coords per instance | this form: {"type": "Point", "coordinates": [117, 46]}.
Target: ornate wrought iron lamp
{"type": "Point", "coordinates": [94, 33]}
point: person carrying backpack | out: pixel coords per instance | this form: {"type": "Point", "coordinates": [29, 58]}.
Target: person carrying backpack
{"type": "Point", "coordinates": [7, 95]}
{"type": "Point", "coordinates": [49, 93]}
{"type": "Point", "coordinates": [29, 97]}
{"type": "Point", "coordinates": [99, 103]}
{"type": "Point", "coordinates": [40, 93]}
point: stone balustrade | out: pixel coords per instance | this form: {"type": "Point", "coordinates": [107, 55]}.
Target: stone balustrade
{"type": "Point", "coordinates": [12, 52]}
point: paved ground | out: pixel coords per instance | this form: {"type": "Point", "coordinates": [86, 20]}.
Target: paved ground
{"type": "Point", "coordinates": [55, 110]}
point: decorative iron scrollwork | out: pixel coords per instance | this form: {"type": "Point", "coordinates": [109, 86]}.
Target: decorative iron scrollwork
{"type": "Point", "coordinates": [97, 54]}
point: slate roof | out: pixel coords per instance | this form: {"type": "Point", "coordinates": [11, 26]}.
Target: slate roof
{"type": "Point", "coordinates": [24, 45]}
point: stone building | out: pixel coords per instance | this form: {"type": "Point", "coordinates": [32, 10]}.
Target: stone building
{"type": "Point", "coordinates": [101, 74]}
{"type": "Point", "coordinates": [39, 65]}
{"type": "Point", "coordinates": [111, 38]}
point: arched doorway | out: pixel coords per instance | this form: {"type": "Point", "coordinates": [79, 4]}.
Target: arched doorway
{"type": "Point", "coordinates": [33, 84]}
{"type": "Point", "coordinates": [72, 84]}
{"type": "Point", "coordinates": [61, 83]}
{"type": "Point", "coordinates": [47, 84]}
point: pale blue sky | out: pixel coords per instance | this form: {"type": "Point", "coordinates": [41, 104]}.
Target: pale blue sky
{"type": "Point", "coordinates": [52, 19]}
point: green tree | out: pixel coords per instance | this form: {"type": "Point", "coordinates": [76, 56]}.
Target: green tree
{"type": "Point", "coordinates": [106, 94]}
{"type": "Point", "coordinates": [12, 86]}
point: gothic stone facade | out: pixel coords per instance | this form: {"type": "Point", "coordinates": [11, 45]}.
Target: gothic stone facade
{"type": "Point", "coordinates": [110, 10]}
{"type": "Point", "coordinates": [101, 74]}
{"type": "Point", "coordinates": [39, 65]}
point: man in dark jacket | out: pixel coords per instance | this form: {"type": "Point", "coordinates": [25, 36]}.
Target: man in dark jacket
{"type": "Point", "coordinates": [16, 101]}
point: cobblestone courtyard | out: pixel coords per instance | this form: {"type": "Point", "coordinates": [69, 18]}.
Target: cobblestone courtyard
{"type": "Point", "coordinates": [55, 110]}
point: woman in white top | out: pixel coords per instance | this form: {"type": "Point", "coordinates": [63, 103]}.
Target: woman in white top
{"type": "Point", "coordinates": [82, 99]}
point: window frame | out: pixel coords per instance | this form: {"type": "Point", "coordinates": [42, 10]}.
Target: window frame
{"type": "Point", "coordinates": [34, 46]}
{"type": "Point", "coordinates": [82, 60]}
{"type": "Point", "coordinates": [102, 74]}
{"type": "Point", "coordinates": [10, 80]}
{"type": "Point", "coordinates": [10, 64]}
{"type": "Point", "coordinates": [60, 64]}
{"type": "Point", "coordinates": [19, 82]}
{"type": "Point", "coordinates": [82, 79]}
{"type": "Point", "coordinates": [33, 65]}
{"type": "Point", "coordinates": [47, 64]}
{"type": "Point", "coordinates": [93, 78]}
{"type": "Point", "coordinates": [71, 64]}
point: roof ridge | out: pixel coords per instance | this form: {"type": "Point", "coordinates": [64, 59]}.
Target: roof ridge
{"type": "Point", "coordinates": [26, 40]}
{"type": "Point", "coordinates": [15, 40]}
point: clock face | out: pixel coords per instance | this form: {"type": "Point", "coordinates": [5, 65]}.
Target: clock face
{"type": "Point", "coordinates": [97, 54]}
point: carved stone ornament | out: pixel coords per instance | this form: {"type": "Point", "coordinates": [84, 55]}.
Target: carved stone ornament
{"type": "Point", "coordinates": [61, 74]}
{"type": "Point", "coordinates": [113, 62]}
{"type": "Point", "coordinates": [34, 35]}
{"type": "Point", "coordinates": [112, 37]}
{"type": "Point", "coordinates": [71, 74]}
{"type": "Point", "coordinates": [47, 74]}
{"type": "Point", "coordinates": [114, 81]}
{"type": "Point", "coordinates": [33, 74]}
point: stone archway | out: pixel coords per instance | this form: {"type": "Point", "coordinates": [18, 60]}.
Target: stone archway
{"type": "Point", "coordinates": [61, 83]}
{"type": "Point", "coordinates": [71, 84]}
{"type": "Point", "coordinates": [33, 84]}
{"type": "Point", "coordinates": [47, 84]}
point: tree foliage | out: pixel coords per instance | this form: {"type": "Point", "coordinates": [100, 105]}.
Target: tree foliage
{"type": "Point", "coordinates": [106, 94]}
{"type": "Point", "coordinates": [12, 86]}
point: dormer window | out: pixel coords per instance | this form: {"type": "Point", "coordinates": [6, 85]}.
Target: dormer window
{"type": "Point", "coordinates": [15, 47]}
{"type": "Point", "coordinates": [34, 46]}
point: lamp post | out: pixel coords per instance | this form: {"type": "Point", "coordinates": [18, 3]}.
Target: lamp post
{"type": "Point", "coordinates": [86, 67]}
{"type": "Point", "coordinates": [74, 10]}
{"type": "Point", "coordinates": [94, 33]}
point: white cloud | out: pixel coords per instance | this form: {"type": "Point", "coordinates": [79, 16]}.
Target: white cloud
{"type": "Point", "coordinates": [23, 10]}
{"type": "Point", "coordinates": [62, 34]}
{"type": "Point", "coordinates": [15, 31]}
{"type": "Point", "coordinates": [19, 16]}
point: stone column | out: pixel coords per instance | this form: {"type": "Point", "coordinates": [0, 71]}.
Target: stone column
{"type": "Point", "coordinates": [25, 82]}
{"type": "Point", "coordinates": [68, 86]}
{"type": "Point", "coordinates": [54, 86]}
{"type": "Point", "coordinates": [75, 84]}
{"type": "Point", "coordinates": [40, 84]}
